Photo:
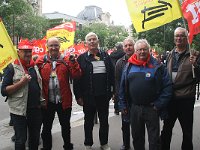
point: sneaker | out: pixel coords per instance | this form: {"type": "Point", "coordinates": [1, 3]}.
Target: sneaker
{"type": "Point", "coordinates": [88, 147]}
{"type": "Point", "coordinates": [105, 147]}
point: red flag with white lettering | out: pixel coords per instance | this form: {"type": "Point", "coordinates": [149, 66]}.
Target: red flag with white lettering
{"type": "Point", "coordinates": [39, 47]}
{"type": "Point", "coordinates": [191, 12]}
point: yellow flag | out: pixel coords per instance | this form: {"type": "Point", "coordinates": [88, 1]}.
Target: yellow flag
{"type": "Point", "coordinates": [65, 33]}
{"type": "Point", "coordinates": [7, 51]}
{"type": "Point", "coordinates": [149, 14]}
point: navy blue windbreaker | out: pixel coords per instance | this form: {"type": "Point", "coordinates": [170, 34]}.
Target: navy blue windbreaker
{"type": "Point", "coordinates": [145, 86]}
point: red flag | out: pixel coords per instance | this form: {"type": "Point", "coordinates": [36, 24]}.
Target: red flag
{"type": "Point", "coordinates": [191, 12]}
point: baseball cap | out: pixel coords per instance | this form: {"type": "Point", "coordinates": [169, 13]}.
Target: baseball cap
{"type": "Point", "coordinates": [25, 45]}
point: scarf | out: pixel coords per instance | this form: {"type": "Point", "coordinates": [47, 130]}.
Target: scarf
{"type": "Point", "coordinates": [25, 65]}
{"type": "Point", "coordinates": [133, 60]}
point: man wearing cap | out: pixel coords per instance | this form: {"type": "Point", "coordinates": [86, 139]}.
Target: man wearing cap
{"type": "Point", "coordinates": [55, 70]}
{"type": "Point", "coordinates": [22, 86]}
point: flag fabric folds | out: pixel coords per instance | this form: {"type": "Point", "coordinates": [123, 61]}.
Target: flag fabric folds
{"type": "Point", "coordinates": [149, 14]}
{"type": "Point", "coordinates": [65, 33]}
{"type": "Point", "coordinates": [8, 53]}
{"type": "Point", "coordinates": [191, 12]}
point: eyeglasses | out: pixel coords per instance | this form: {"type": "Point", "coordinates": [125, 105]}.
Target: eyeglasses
{"type": "Point", "coordinates": [142, 49]}
{"type": "Point", "coordinates": [54, 45]}
{"type": "Point", "coordinates": [180, 36]}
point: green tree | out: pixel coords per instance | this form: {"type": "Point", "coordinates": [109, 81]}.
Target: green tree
{"type": "Point", "coordinates": [19, 19]}
{"type": "Point", "coordinates": [108, 35]}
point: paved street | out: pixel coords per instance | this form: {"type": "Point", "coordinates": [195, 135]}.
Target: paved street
{"type": "Point", "coordinates": [115, 139]}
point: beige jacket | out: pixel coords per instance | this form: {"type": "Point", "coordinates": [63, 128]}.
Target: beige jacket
{"type": "Point", "coordinates": [18, 101]}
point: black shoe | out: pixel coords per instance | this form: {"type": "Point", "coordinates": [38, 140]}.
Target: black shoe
{"type": "Point", "coordinates": [69, 147]}
{"type": "Point", "coordinates": [125, 147]}
{"type": "Point", "coordinates": [10, 123]}
{"type": "Point", "coordinates": [116, 112]}
{"type": "Point", "coordinates": [13, 138]}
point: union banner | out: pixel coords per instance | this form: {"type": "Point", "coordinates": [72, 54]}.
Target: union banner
{"type": "Point", "coordinates": [65, 33]}
{"type": "Point", "coordinates": [191, 9]}
{"type": "Point", "coordinates": [149, 14]}
{"type": "Point", "coordinates": [8, 53]}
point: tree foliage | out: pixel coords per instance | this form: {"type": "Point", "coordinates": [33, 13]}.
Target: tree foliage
{"type": "Point", "coordinates": [108, 35]}
{"type": "Point", "coordinates": [19, 19]}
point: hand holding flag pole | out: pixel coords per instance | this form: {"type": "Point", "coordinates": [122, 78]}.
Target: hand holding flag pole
{"type": "Point", "coordinates": [190, 11]}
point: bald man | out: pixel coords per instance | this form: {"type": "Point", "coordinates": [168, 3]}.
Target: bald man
{"type": "Point", "coordinates": [55, 70]}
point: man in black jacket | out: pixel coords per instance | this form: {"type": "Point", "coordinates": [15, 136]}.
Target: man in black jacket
{"type": "Point", "coordinates": [115, 56]}
{"type": "Point", "coordinates": [93, 90]}
{"type": "Point", "coordinates": [128, 46]}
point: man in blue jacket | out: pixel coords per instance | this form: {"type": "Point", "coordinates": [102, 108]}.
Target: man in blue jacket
{"type": "Point", "coordinates": [146, 90]}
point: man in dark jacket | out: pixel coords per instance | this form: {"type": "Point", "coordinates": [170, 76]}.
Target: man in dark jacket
{"type": "Point", "coordinates": [180, 65]}
{"type": "Point", "coordinates": [115, 55]}
{"type": "Point", "coordinates": [145, 88]}
{"type": "Point", "coordinates": [93, 90]}
{"type": "Point", "coordinates": [128, 46]}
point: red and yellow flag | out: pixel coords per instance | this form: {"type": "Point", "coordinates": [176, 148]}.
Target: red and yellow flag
{"type": "Point", "coordinates": [65, 33]}
{"type": "Point", "coordinates": [191, 9]}
{"type": "Point", "coordinates": [149, 14]}
{"type": "Point", "coordinates": [8, 53]}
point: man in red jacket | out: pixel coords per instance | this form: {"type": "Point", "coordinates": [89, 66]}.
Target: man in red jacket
{"type": "Point", "coordinates": [55, 70]}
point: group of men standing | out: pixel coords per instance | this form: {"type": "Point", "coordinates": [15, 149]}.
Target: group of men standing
{"type": "Point", "coordinates": [145, 89]}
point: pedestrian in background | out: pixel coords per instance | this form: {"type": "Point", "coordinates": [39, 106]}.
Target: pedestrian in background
{"type": "Point", "coordinates": [180, 64]}
{"type": "Point", "coordinates": [23, 91]}
{"type": "Point", "coordinates": [93, 90]}
{"type": "Point", "coordinates": [116, 55]}
{"type": "Point", "coordinates": [128, 47]}
{"type": "Point", "coordinates": [55, 70]}
{"type": "Point", "coordinates": [146, 86]}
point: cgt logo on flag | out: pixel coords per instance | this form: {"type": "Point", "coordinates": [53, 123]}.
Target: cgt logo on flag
{"type": "Point", "coordinates": [191, 12]}
{"type": "Point", "coordinates": [149, 14]}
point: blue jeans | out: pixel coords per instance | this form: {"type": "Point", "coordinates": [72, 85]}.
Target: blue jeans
{"type": "Point", "coordinates": [32, 121]}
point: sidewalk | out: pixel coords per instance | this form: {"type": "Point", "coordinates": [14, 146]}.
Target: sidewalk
{"type": "Point", "coordinates": [115, 137]}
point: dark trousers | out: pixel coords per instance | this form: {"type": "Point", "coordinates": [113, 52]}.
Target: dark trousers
{"type": "Point", "coordinates": [126, 132]}
{"type": "Point", "coordinates": [101, 107]}
{"type": "Point", "coordinates": [32, 122]}
{"type": "Point", "coordinates": [116, 105]}
{"type": "Point", "coordinates": [181, 109]}
{"type": "Point", "coordinates": [64, 119]}
{"type": "Point", "coordinates": [141, 116]}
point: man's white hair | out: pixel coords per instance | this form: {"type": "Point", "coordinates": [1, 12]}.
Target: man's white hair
{"type": "Point", "coordinates": [181, 29]}
{"type": "Point", "coordinates": [130, 39]}
{"type": "Point", "coordinates": [90, 34]}
{"type": "Point", "coordinates": [141, 41]}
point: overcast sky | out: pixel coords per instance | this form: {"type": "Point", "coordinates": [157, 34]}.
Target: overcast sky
{"type": "Point", "coordinates": [117, 8]}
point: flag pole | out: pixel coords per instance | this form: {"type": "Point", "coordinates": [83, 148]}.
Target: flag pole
{"type": "Point", "coordinates": [184, 23]}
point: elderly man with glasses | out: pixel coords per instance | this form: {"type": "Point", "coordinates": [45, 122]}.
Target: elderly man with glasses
{"type": "Point", "coordinates": [55, 70]}
{"type": "Point", "coordinates": [145, 89]}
